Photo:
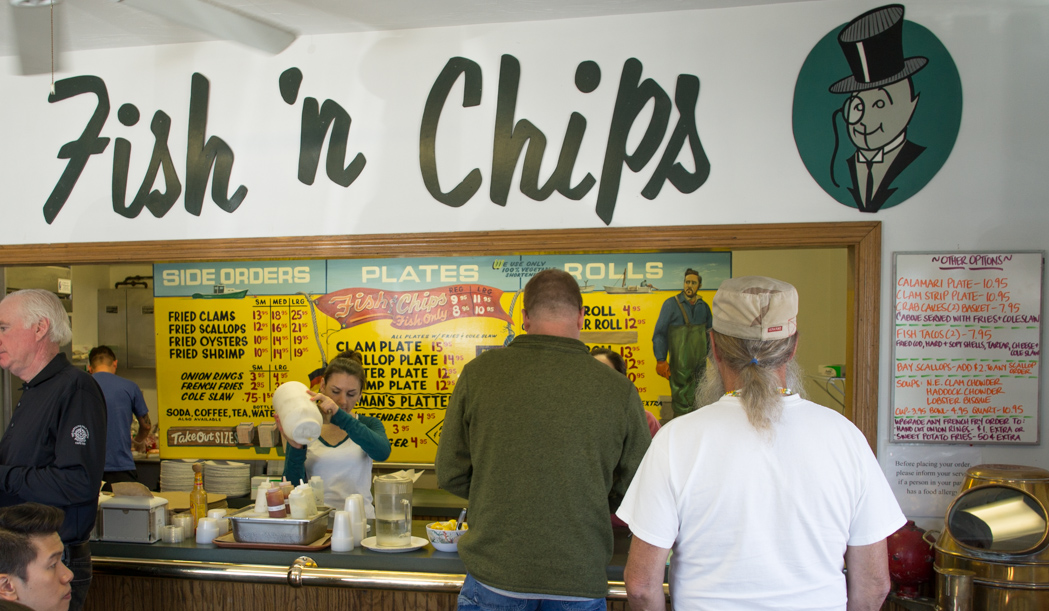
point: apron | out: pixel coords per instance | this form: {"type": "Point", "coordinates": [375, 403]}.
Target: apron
{"type": "Point", "coordinates": [688, 351]}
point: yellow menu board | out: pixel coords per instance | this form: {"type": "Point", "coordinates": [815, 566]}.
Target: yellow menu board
{"type": "Point", "coordinates": [229, 333]}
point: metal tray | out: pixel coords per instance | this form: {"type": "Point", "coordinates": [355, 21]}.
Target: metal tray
{"type": "Point", "coordinates": [249, 527]}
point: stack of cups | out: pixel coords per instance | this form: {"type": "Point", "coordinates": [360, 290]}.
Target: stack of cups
{"type": "Point", "coordinates": [207, 530]}
{"type": "Point", "coordinates": [172, 534]}
{"type": "Point", "coordinates": [186, 522]}
{"type": "Point", "coordinates": [355, 508]}
{"type": "Point", "coordinates": [221, 519]}
{"type": "Point", "coordinates": [342, 539]}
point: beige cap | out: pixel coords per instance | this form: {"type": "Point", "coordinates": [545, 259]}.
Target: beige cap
{"type": "Point", "coordinates": [756, 307]}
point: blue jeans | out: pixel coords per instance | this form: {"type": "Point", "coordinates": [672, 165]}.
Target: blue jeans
{"type": "Point", "coordinates": [80, 565]}
{"type": "Point", "coordinates": [476, 597]}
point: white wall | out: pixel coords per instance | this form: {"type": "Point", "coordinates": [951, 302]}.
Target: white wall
{"type": "Point", "coordinates": [990, 195]}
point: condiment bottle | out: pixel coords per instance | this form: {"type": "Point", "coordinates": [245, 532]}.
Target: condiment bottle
{"type": "Point", "coordinates": [198, 499]}
{"type": "Point", "coordinates": [307, 494]}
{"type": "Point", "coordinates": [297, 502]}
{"type": "Point", "coordinates": [260, 498]}
{"type": "Point", "coordinates": [318, 489]}
{"type": "Point", "coordinates": [275, 503]}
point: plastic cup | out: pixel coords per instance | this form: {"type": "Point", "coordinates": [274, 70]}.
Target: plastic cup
{"type": "Point", "coordinates": [342, 532]}
{"type": "Point", "coordinates": [355, 507]}
{"type": "Point", "coordinates": [207, 530]}
{"type": "Point", "coordinates": [220, 518]}
{"type": "Point", "coordinates": [186, 522]}
{"type": "Point", "coordinates": [171, 533]}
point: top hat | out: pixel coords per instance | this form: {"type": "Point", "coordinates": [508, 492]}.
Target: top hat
{"type": "Point", "coordinates": [873, 46]}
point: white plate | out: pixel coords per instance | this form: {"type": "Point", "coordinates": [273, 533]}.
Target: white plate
{"type": "Point", "coordinates": [417, 543]}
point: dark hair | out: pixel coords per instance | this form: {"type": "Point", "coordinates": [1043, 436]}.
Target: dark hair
{"type": "Point", "coordinates": [554, 293]}
{"type": "Point", "coordinates": [11, 605]}
{"type": "Point", "coordinates": [101, 354]}
{"type": "Point", "coordinates": [692, 272]}
{"type": "Point", "coordinates": [613, 357]}
{"type": "Point", "coordinates": [349, 362]}
{"type": "Point", "coordinates": [18, 524]}
{"type": "Point", "coordinates": [16, 552]}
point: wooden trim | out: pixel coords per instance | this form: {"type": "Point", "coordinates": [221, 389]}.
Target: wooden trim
{"type": "Point", "coordinates": [862, 239]}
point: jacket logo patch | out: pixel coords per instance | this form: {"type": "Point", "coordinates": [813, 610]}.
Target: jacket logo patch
{"type": "Point", "coordinates": [80, 435]}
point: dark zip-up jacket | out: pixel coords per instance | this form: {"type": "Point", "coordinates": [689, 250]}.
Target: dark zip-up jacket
{"type": "Point", "coordinates": [54, 449]}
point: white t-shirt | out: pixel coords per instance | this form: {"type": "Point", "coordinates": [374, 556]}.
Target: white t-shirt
{"type": "Point", "coordinates": [755, 524]}
{"type": "Point", "coordinates": [346, 469]}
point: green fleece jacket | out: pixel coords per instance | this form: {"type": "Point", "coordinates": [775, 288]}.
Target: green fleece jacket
{"type": "Point", "coordinates": [543, 440]}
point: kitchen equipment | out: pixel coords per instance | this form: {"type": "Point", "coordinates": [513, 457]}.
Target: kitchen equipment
{"type": "Point", "coordinates": [954, 589]}
{"type": "Point", "coordinates": [248, 527]}
{"type": "Point", "coordinates": [133, 519]}
{"type": "Point", "coordinates": [997, 528]}
{"type": "Point", "coordinates": [300, 418]}
{"type": "Point", "coordinates": [910, 560]}
{"type": "Point", "coordinates": [393, 510]}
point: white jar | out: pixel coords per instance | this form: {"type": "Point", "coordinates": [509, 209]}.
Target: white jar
{"type": "Point", "coordinates": [299, 416]}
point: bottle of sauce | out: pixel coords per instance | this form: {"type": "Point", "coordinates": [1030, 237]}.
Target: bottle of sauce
{"type": "Point", "coordinates": [275, 503]}
{"type": "Point", "coordinates": [198, 499]}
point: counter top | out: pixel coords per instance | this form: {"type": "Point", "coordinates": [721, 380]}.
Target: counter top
{"type": "Point", "coordinates": [425, 560]}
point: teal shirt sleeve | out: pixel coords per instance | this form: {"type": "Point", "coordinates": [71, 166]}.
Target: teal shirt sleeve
{"type": "Point", "coordinates": [365, 431]}
{"type": "Point", "coordinates": [295, 464]}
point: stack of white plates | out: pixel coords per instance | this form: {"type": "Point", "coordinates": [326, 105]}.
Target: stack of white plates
{"type": "Point", "coordinates": [176, 475]}
{"type": "Point", "coordinates": [226, 477]}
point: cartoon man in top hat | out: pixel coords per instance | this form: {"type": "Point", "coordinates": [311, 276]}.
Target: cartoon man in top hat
{"type": "Point", "coordinates": [880, 104]}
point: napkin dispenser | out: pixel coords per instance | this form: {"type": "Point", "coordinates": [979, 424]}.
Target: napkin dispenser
{"type": "Point", "coordinates": [130, 519]}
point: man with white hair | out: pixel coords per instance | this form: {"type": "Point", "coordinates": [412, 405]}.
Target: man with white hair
{"type": "Point", "coordinates": [763, 496]}
{"type": "Point", "coordinates": [54, 449]}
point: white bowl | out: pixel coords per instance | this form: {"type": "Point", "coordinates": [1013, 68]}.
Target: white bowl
{"type": "Point", "coordinates": [444, 540]}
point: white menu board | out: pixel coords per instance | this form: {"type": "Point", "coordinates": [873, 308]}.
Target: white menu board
{"type": "Point", "coordinates": [967, 347]}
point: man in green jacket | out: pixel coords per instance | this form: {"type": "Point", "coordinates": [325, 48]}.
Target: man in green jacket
{"type": "Point", "coordinates": [543, 440]}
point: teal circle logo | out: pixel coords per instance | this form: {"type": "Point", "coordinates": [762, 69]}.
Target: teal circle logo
{"type": "Point", "coordinates": [877, 107]}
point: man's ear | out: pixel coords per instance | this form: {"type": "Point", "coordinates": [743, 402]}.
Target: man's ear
{"type": "Point", "coordinates": [525, 322]}
{"type": "Point", "coordinates": [7, 587]}
{"type": "Point", "coordinates": [41, 328]}
{"type": "Point", "coordinates": [582, 318]}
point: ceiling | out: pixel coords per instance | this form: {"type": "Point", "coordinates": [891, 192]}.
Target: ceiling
{"type": "Point", "coordinates": [103, 24]}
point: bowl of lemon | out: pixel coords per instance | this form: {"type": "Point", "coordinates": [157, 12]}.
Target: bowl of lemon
{"type": "Point", "coordinates": [444, 536]}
